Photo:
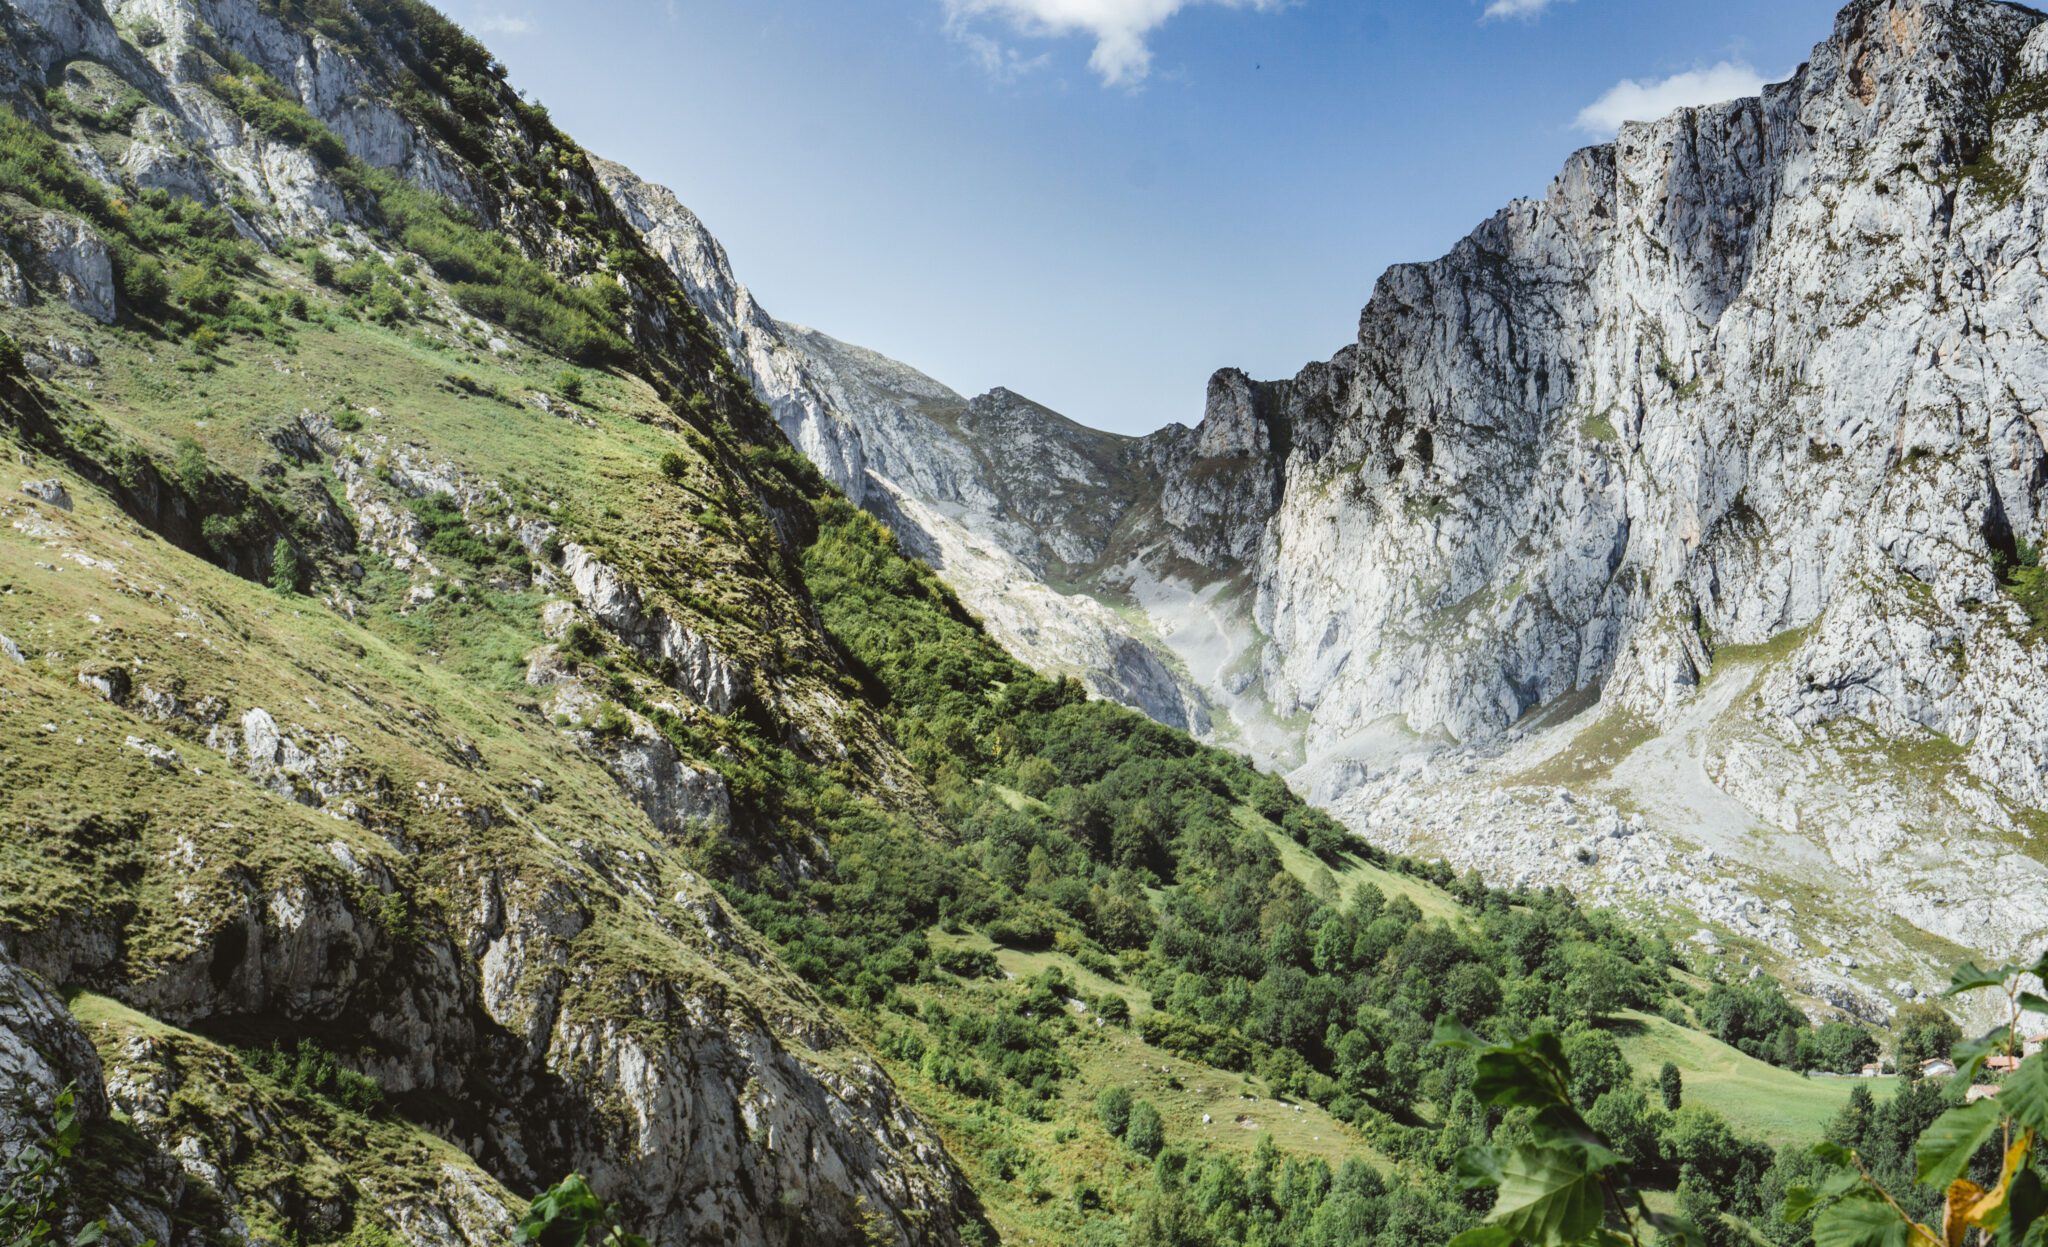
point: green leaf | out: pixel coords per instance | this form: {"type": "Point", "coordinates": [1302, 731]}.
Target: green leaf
{"type": "Point", "coordinates": [2033, 1002]}
{"type": "Point", "coordinates": [1834, 1153]}
{"type": "Point", "coordinates": [1548, 1197]}
{"type": "Point", "coordinates": [1799, 1200]}
{"type": "Point", "coordinates": [1484, 1236]}
{"type": "Point", "coordinates": [1947, 1145]}
{"type": "Point", "coordinates": [1970, 1057]}
{"type": "Point", "coordinates": [1672, 1230]}
{"type": "Point", "coordinates": [1970, 977]}
{"type": "Point", "coordinates": [1455, 1035]}
{"type": "Point", "coordinates": [1862, 1220]}
{"type": "Point", "coordinates": [2025, 1094]}
{"type": "Point", "coordinates": [1481, 1167]}
{"type": "Point", "coordinates": [1529, 1073]}
{"type": "Point", "coordinates": [2024, 1204]}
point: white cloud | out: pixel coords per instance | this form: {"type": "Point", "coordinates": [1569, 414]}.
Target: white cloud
{"type": "Point", "coordinates": [1120, 29]}
{"type": "Point", "coordinates": [501, 24]}
{"type": "Point", "coordinates": [1629, 100]}
{"type": "Point", "coordinates": [1515, 8]}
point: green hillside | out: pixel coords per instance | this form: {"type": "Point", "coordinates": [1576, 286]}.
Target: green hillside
{"type": "Point", "coordinates": [456, 742]}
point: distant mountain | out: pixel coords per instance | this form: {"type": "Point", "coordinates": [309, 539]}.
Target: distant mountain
{"type": "Point", "coordinates": [1673, 538]}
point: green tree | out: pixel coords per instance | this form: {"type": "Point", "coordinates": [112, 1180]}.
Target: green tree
{"type": "Point", "coordinates": [1146, 1133]}
{"type": "Point", "coordinates": [287, 573]}
{"type": "Point", "coordinates": [1625, 1119]}
{"type": "Point", "coordinates": [1838, 1048]}
{"type": "Point", "coordinates": [1113, 1106]}
{"type": "Point", "coordinates": [1671, 1084]}
{"type": "Point", "coordinates": [1597, 1065]}
{"type": "Point", "coordinates": [1925, 1032]}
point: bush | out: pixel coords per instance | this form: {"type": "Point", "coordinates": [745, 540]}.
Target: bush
{"type": "Point", "coordinates": [1146, 1133]}
{"type": "Point", "coordinates": [287, 573]}
{"type": "Point", "coordinates": [969, 963]}
{"type": "Point", "coordinates": [569, 384]}
{"type": "Point", "coordinates": [1113, 1108]}
{"type": "Point", "coordinates": [188, 464]}
{"type": "Point", "coordinates": [12, 366]}
{"type": "Point", "coordinates": [309, 1069]}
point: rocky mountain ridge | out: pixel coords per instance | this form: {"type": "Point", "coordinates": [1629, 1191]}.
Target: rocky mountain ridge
{"type": "Point", "coordinates": [1728, 451]}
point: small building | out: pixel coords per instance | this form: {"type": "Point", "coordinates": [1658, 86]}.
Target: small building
{"type": "Point", "coordinates": [2034, 1043]}
{"type": "Point", "coordinates": [1980, 1091]}
{"type": "Point", "coordinates": [1872, 1070]}
{"type": "Point", "coordinates": [2001, 1064]}
{"type": "Point", "coordinates": [1937, 1067]}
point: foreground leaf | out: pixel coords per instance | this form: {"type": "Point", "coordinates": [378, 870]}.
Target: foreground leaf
{"type": "Point", "coordinates": [1548, 1196]}
{"type": "Point", "coordinates": [2025, 1094]}
{"type": "Point", "coordinates": [1948, 1144]}
{"type": "Point", "coordinates": [1864, 1220]}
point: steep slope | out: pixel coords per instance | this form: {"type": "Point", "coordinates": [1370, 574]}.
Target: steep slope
{"type": "Point", "coordinates": [439, 820]}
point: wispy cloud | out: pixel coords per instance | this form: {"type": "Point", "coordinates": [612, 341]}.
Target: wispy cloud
{"type": "Point", "coordinates": [1121, 29]}
{"type": "Point", "coordinates": [500, 24]}
{"type": "Point", "coordinates": [1516, 8]}
{"type": "Point", "coordinates": [1630, 100]}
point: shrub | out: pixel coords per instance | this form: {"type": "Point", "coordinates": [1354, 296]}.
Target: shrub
{"type": "Point", "coordinates": [1113, 1107]}
{"type": "Point", "coordinates": [287, 573]}
{"type": "Point", "coordinates": [569, 383]}
{"type": "Point", "coordinates": [188, 464]}
{"type": "Point", "coordinates": [309, 1069]}
{"type": "Point", "coordinates": [1146, 1133]}
{"type": "Point", "coordinates": [12, 366]}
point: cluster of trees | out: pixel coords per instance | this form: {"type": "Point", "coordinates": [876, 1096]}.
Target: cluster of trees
{"type": "Point", "coordinates": [1075, 824]}
{"type": "Point", "coordinates": [1756, 1018]}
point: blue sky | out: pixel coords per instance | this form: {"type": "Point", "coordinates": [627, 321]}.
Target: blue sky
{"type": "Point", "coordinates": [1097, 203]}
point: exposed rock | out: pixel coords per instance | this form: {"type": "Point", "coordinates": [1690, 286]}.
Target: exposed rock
{"type": "Point", "coordinates": [14, 291]}
{"type": "Point", "coordinates": [49, 491]}
{"type": "Point", "coordinates": [109, 680]}
{"type": "Point", "coordinates": [699, 670]}
{"type": "Point", "coordinates": [41, 1053]}
{"type": "Point", "coordinates": [70, 256]}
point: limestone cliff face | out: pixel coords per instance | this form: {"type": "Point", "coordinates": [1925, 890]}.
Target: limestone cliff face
{"type": "Point", "coordinates": [1765, 371]}
{"type": "Point", "coordinates": [1747, 368]}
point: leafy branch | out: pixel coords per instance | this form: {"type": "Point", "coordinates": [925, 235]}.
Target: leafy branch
{"type": "Point", "coordinates": [569, 1214]}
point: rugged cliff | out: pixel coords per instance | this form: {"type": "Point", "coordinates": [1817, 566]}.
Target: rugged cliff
{"type": "Point", "coordinates": [1675, 536]}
